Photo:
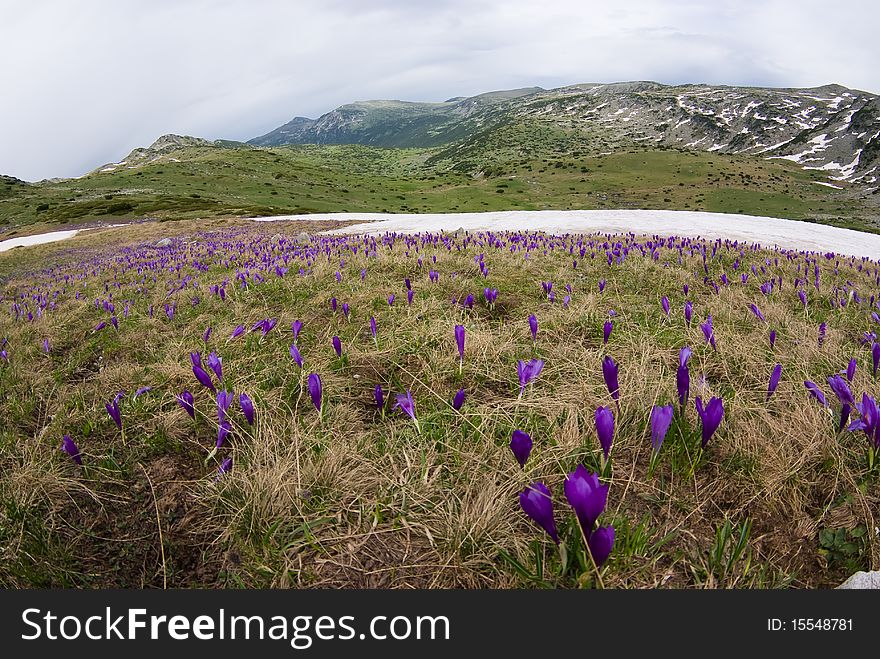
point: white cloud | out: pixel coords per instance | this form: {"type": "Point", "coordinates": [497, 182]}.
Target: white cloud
{"type": "Point", "coordinates": [85, 82]}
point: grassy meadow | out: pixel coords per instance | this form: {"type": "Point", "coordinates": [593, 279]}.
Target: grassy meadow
{"type": "Point", "coordinates": [361, 496]}
{"type": "Point", "coordinates": [523, 171]}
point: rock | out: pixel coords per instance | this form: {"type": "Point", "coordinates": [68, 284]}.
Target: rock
{"type": "Point", "coordinates": [165, 242]}
{"type": "Point", "coordinates": [862, 581]}
{"type": "Point", "coordinates": [303, 238]}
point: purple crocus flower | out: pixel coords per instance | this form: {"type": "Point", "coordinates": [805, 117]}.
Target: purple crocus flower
{"type": "Point", "coordinates": [195, 358]}
{"type": "Point", "coordinates": [803, 298]}
{"type": "Point", "coordinates": [316, 391]}
{"type": "Point", "coordinates": [533, 326]}
{"type": "Point", "coordinates": [774, 380]}
{"type": "Point", "coordinates": [141, 391]}
{"type": "Point", "coordinates": [337, 346]}
{"type": "Point", "coordinates": [869, 421]}
{"type": "Point", "coordinates": [216, 365]}
{"type": "Point", "coordinates": [521, 446]}
{"type": "Point", "coordinates": [851, 369]}
{"type": "Point", "coordinates": [410, 294]}
{"type": "Point", "coordinates": [374, 330]}
{"type": "Point", "coordinates": [237, 332]}
{"type": "Point", "coordinates": [815, 392]}
{"type": "Point", "coordinates": [379, 395]}
{"type": "Point", "coordinates": [822, 330]}
{"type": "Point", "coordinates": [406, 403]}
{"type": "Point", "coordinates": [224, 468]}
{"type": "Point", "coordinates": [186, 401]}
{"type": "Point", "coordinates": [710, 416]}
{"type": "Point", "coordinates": [601, 543]}
{"type": "Point", "coordinates": [605, 428]}
{"type": "Point", "coordinates": [458, 399]}
{"type": "Point", "coordinates": [688, 311]}
{"type": "Point", "coordinates": [683, 376]}
{"type": "Point", "coordinates": [609, 372]}
{"type": "Point", "coordinates": [247, 406]}
{"type": "Point", "coordinates": [606, 331]}
{"type": "Point", "coordinates": [346, 310]}
{"type": "Point", "coordinates": [297, 357]}
{"type": "Point", "coordinates": [391, 300]}
{"type": "Point", "coordinates": [527, 372]}
{"type": "Point", "coordinates": [223, 429]}
{"type": "Point", "coordinates": [772, 339]}
{"type": "Point", "coordinates": [333, 304]}
{"type": "Point", "coordinates": [69, 447]}
{"type": "Point", "coordinates": [664, 302]}
{"type": "Point", "coordinates": [602, 283]}
{"type": "Point", "coordinates": [661, 419]}
{"type": "Point", "coordinates": [841, 389]}
{"type": "Point", "coordinates": [587, 496]}
{"type": "Point", "coordinates": [536, 502]}
{"type": "Point", "coordinates": [875, 357]}
{"type": "Point", "coordinates": [203, 377]}
{"type": "Point", "coordinates": [206, 335]}
{"type": "Point", "coordinates": [224, 400]}
{"type": "Point", "coordinates": [46, 346]}
{"type": "Point", "coordinates": [459, 341]}
{"type": "Point", "coordinates": [296, 328]}
{"type": "Point", "coordinates": [113, 410]}
{"type": "Point", "coordinates": [757, 312]}
{"type": "Point", "coordinates": [708, 331]}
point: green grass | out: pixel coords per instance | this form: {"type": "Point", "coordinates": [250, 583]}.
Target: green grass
{"type": "Point", "coordinates": [530, 169]}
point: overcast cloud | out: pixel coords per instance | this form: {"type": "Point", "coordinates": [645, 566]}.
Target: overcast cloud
{"type": "Point", "coordinates": [85, 82]}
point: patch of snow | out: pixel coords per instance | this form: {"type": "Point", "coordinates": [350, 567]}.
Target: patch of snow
{"type": "Point", "coordinates": [768, 231]}
{"type": "Point", "coordinates": [776, 146]}
{"type": "Point", "coordinates": [870, 171]}
{"type": "Point", "coordinates": [750, 106]}
{"type": "Point", "coordinates": [37, 239]}
{"type": "Point", "coordinates": [820, 143]}
{"type": "Point", "coordinates": [828, 185]}
{"type": "Point", "coordinates": [846, 121]}
{"type": "Point", "coordinates": [848, 170]}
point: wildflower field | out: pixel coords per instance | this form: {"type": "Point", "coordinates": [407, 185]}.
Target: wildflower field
{"type": "Point", "coordinates": [245, 405]}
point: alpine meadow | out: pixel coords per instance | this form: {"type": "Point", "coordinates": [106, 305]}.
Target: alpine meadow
{"type": "Point", "coordinates": [190, 397]}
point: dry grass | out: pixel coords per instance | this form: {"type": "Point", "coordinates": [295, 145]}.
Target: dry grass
{"type": "Point", "coordinates": [360, 501]}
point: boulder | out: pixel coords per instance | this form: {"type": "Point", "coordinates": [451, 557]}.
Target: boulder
{"type": "Point", "coordinates": [165, 242]}
{"type": "Point", "coordinates": [862, 581]}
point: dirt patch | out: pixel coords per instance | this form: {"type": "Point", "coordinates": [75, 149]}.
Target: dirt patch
{"type": "Point", "coordinates": [121, 546]}
{"type": "Point", "coordinates": [383, 559]}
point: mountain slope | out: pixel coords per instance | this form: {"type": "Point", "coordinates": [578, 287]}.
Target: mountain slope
{"type": "Point", "coordinates": [391, 123]}
{"type": "Point", "coordinates": [831, 129]}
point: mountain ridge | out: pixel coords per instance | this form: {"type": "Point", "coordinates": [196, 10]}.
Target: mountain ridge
{"type": "Point", "coordinates": [829, 127]}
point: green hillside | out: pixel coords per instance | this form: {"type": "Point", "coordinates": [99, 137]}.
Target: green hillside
{"type": "Point", "coordinates": [524, 169]}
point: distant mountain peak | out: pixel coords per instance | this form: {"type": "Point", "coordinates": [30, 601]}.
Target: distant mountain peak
{"type": "Point", "coordinates": [829, 128]}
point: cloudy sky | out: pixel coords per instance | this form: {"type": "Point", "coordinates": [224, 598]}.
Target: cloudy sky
{"type": "Point", "coordinates": [85, 82]}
